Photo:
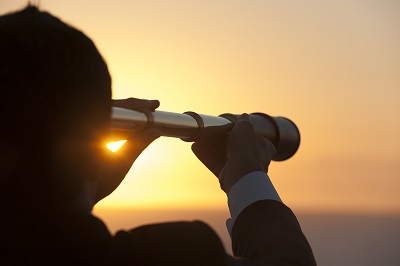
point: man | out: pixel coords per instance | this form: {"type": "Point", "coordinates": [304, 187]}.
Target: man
{"type": "Point", "coordinates": [54, 168]}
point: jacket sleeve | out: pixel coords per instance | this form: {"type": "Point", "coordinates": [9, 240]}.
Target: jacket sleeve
{"type": "Point", "coordinates": [268, 233]}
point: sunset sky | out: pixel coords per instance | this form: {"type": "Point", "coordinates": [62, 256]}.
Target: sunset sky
{"type": "Point", "coordinates": [332, 67]}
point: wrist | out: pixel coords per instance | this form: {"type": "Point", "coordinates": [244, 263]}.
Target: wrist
{"type": "Point", "coordinates": [233, 171]}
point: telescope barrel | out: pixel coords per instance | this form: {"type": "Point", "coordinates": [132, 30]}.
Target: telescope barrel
{"type": "Point", "coordinates": [282, 132]}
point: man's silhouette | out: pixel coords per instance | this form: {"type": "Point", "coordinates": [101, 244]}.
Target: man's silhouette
{"type": "Point", "coordinates": [55, 114]}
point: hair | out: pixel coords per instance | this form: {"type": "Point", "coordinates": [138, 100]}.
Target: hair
{"type": "Point", "coordinates": [55, 106]}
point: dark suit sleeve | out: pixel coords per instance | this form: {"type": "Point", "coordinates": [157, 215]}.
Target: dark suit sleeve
{"type": "Point", "coordinates": [268, 233]}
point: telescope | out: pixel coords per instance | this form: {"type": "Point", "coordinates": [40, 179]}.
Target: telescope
{"type": "Point", "coordinates": [188, 126]}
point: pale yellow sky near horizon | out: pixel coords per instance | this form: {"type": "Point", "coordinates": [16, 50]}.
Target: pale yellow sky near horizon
{"type": "Point", "coordinates": [333, 67]}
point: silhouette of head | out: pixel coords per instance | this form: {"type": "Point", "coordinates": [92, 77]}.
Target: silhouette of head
{"type": "Point", "coordinates": [54, 111]}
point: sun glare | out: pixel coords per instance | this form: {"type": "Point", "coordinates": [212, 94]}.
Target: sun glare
{"type": "Point", "coordinates": [115, 145]}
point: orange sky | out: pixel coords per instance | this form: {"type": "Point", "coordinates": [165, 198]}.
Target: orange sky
{"type": "Point", "coordinates": [333, 67]}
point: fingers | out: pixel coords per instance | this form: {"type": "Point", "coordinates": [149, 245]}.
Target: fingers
{"type": "Point", "coordinates": [243, 125]}
{"type": "Point", "coordinates": [247, 151]}
{"type": "Point", "coordinates": [243, 148]}
{"type": "Point", "coordinates": [210, 147]}
{"type": "Point", "coordinates": [212, 155]}
{"type": "Point", "coordinates": [241, 138]}
{"type": "Point", "coordinates": [213, 132]}
{"type": "Point", "coordinates": [268, 148]}
{"type": "Point", "coordinates": [136, 104]}
{"type": "Point", "coordinates": [244, 137]}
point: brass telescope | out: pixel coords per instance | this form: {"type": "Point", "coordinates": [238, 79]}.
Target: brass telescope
{"type": "Point", "coordinates": [281, 131]}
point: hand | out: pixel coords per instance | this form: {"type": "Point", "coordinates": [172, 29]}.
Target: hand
{"type": "Point", "coordinates": [136, 104]}
{"type": "Point", "coordinates": [243, 152]}
{"type": "Point", "coordinates": [116, 165]}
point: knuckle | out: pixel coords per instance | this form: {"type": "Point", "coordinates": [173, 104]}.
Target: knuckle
{"type": "Point", "coordinates": [244, 125]}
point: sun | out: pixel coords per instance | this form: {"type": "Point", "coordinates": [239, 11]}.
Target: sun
{"type": "Point", "coordinates": [115, 145]}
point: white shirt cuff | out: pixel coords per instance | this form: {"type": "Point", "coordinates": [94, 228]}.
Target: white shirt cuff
{"type": "Point", "coordinates": [249, 189]}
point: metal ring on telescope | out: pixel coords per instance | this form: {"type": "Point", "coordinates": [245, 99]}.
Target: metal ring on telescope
{"type": "Point", "coordinates": [150, 118]}
{"type": "Point", "coordinates": [200, 125]}
{"type": "Point", "coordinates": [230, 117]}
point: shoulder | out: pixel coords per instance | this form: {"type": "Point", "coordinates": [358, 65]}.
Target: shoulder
{"type": "Point", "coordinates": [175, 243]}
